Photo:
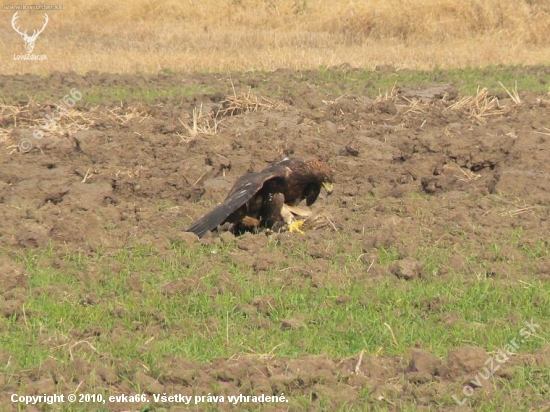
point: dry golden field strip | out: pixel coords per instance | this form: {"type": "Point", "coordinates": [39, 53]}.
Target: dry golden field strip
{"type": "Point", "coordinates": [211, 35]}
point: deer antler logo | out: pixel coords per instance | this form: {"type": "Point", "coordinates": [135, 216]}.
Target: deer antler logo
{"type": "Point", "coordinates": [29, 40]}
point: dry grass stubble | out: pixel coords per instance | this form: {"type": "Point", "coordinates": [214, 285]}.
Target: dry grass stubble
{"type": "Point", "coordinates": [265, 35]}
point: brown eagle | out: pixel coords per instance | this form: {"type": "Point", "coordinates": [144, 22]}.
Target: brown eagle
{"type": "Point", "coordinates": [258, 199]}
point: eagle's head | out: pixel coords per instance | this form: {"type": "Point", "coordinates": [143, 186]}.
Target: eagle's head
{"type": "Point", "coordinates": [322, 173]}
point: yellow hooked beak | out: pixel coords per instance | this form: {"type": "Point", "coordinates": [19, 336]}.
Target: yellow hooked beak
{"type": "Point", "coordinates": [328, 187]}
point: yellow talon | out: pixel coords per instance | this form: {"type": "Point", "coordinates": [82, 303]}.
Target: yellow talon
{"type": "Point", "coordinates": [296, 227]}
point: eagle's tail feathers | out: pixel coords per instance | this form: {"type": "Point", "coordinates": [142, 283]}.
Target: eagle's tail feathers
{"type": "Point", "coordinates": [219, 214]}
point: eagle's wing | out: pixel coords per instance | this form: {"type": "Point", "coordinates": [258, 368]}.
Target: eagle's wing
{"type": "Point", "coordinates": [245, 188]}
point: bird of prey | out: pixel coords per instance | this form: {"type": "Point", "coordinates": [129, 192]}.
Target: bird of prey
{"type": "Point", "coordinates": [261, 198]}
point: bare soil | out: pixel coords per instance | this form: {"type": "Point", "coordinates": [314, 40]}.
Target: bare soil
{"type": "Point", "coordinates": [141, 178]}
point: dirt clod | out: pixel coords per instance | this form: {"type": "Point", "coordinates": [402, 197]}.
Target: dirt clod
{"type": "Point", "coordinates": [463, 361]}
{"type": "Point", "coordinates": [265, 304]}
{"type": "Point", "coordinates": [408, 269]}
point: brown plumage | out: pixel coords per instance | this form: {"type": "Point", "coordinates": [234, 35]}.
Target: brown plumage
{"type": "Point", "coordinates": [257, 198]}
